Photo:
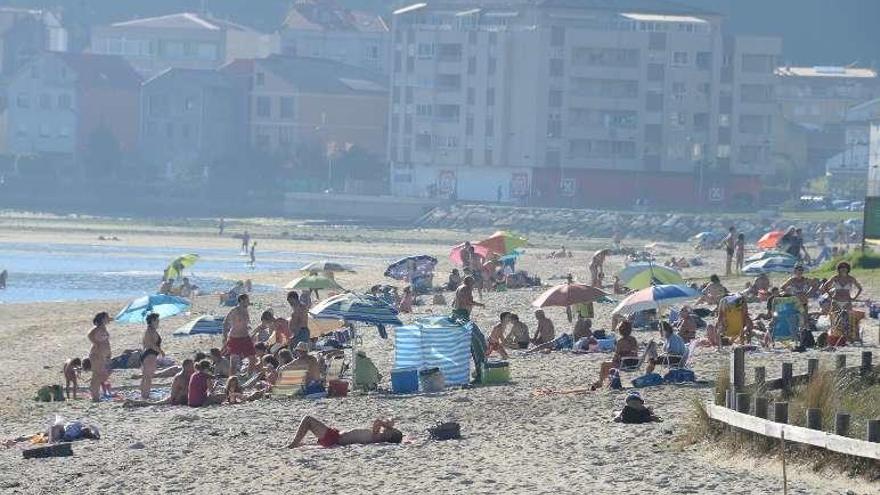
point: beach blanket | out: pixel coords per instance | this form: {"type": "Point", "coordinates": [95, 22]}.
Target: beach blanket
{"type": "Point", "coordinates": [435, 343]}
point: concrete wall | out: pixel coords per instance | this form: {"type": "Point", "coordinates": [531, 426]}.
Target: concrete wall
{"type": "Point", "coordinates": [384, 208]}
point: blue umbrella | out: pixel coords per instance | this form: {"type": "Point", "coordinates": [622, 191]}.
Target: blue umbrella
{"type": "Point", "coordinates": [411, 267]}
{"type": "Point", "coordinates": [357, 307]}
{"type": "Point", "coordinates": [775, 264]}
{"type": "Point", "coordinates": [161, 304]}
{"type": "Point", "coordinates": [656, 296]}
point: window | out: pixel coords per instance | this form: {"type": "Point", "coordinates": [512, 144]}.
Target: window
{"type": "Point", "coordinates": [448, 113]}
{"type": "Point", "coordinates": [285, 135]}
{"type": "Point", "coordinates": [287, 110]}
{"type": "Point", "coordinates": [490, 96]}
{"type": "Point", "coordinates": [45, 131]}
{"type": "Point", "coordinates": [423, 110]}
{"type": "Point", "coordinates": [556, 67]}
{"type": "Point", "coordinates": [468, 156]}
{"type": "Point", "coordinates": [554, 126]}
{"type": "Point", "coordinates": [449, 52]}
{"type": "Point", "coordinates": [657, 41]}
{"type": "Point", "coordinates": [553, 158]}
{"type": "Point", "coordinates": [753, 124]}
{"type": "Point", "coordinates": [701, 121]}
{"type": "Point", "coordinates": [677, 120]}
{"type": "Point", "coordinates": [679, 91]}
{"type": "Point", "coordinates": [704, 60]}
{"type": "Point", "coordinates": [471, 96]}
{"type": "Point", "coordinates": [654, 134]}
{"type": "Point", "coordinates": [64, 131]}
{"type": "Point", "coordinates": [723, 151]}
{"type": "Point", "coordinates": [557, 36]}
{"type": "Point", "coordinates": [756, 93]}
{"type": "Point", "coordinates": [21, 131]}
{"type": "Point", "coordinates": [260, 79]}
{"type": "Point", "coordinates": [749, 154]}
{"type": "Point", "coordinates": [724, 120]}
{"type": "Point", "coordinates": [680, 58]}
{"type": "Point", "coordinates": [409, 95]}
{"type": "Point", "coordinates": [493, 37]}
{"type": "Point", "coordinates": [425, 51]}
{"type": "Point", "coordinates": [398, 62]}
{"type": "Point", "coordinates": [22, 100]}
{"type": "Point", "coordinates": [207, 51]}
{"type": "Point", "coordinates": [264, 106]}
{"type": "Point", "coordinates": [469, 125]}
{"type": "Point", "coordinates": [656, 72]}
{"type": "Point", "coordinates": [604, 88]}
{"type": "Point", "coordinates": [761, 64]}
{"type": "Point", "coordinates": [189, 103]}
{"type": "Point", "coordinates": [45, 101]}
{"type": "Point", "coordinates": [472, 37]}
{"type": "Point", "coordinates": [395, 123]}
{"type": "Point", "coordinates": [554, 98]}
{"type": "Point", "coordinates": [448, 82]}
{"type": "Point", "coordinates": [395, 94]}
{"type": "Point", "coordinates": [654, 102]}
{"type": "Point", "coordinates": [493, 65]}
{"type": "Point", "coordinates": [604, 57]}
{"type": "Point", "coordinates": [704, 89]}
{"type": "Point", "coordinates": [490, 127]}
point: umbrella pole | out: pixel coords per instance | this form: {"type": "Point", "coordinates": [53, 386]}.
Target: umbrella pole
{"type": "Point", "coordinates": [354, 359]}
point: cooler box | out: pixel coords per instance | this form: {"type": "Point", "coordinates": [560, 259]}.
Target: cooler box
{"type": "Point", "coordinates": [431, 380]}
{"type": "Point", "coordinates": [496, 372]}
{"type": "Point", "coordinates": [405, 380]}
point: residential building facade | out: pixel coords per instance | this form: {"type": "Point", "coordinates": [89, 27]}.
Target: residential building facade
{"type": "Point", "coordinates": [602, 104]}
{"type": "Point", "coordinates": [25, 33]}
{"type": "Point", "coordinates": [294, 101]}
{"type": "Point", "coordinates": [324, 29]}
{"type": "Point", "coordinates": [59, 100]}
{"type": "Point", "coordinates": [185, 40]}
{"type": "Point", "coordinates": [846, 170]}
{"type": "Point", "coordinates": [192, 121]}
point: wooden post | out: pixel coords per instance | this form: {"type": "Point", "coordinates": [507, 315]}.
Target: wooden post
{"type": "Point", "coordinates": [814, 418]}
{"type": "Point", "coordinates": [760, 375]}
{"type": "Point", "coordinates": [841, 424]}
{"type": "Point", "coordinates": [787, 373]}
{"type": "Point", "coordinates": [873, 430]}
{"type": "Point", "coordinates": [738, 368]}
{"type": "Point", "coordinates": [782, 453]}
{"type": "Point", "coordinates": [729, 399]}
{"type": "Point", "coordinates": [865, 368]}
{"type": "Point", "coordinates": [812, 366]}
{"type": "Point", "coordinates": [840, 362]}
{"type": "Point", "coordinates": [780, 412]}
{"type": "Point", "coordinates": [761, 407]}
{"type": "Point", "coordinates": [743, 403]}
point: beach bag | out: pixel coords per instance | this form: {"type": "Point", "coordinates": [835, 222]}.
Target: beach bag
{"type": "Point", "coordinates": [614, 382]}
{"type": "Point", "coordinates": [679, 375]}
{"type": "Point", "coordinates": [648, 380]}
{"type": "Point", "coordinates": [50, 393]}
{"type": "Point", "coordinates": [449, 430]}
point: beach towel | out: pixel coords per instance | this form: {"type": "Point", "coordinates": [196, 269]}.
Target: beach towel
{"type": "Point", "coordinates": [436, 343]}
{"type": "Point", "coordinates": [648, 380]}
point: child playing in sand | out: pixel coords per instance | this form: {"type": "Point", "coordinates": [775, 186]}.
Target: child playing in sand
{"type": "Point", "coordinates": [72, 368]}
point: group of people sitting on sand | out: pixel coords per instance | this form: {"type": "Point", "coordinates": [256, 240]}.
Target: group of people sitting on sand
{"type": "Point", "coordinates": [185, 289]}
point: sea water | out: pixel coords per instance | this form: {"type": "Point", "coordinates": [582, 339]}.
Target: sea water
{"type": "Point", "coordinates": [112, 270]}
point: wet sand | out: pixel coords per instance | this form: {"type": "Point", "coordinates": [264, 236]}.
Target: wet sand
{"type": "Point", "coordinates": [514, 441]}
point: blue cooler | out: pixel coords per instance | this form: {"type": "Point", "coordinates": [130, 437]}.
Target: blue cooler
{"type": "Point", "coordinates": [405, 380]}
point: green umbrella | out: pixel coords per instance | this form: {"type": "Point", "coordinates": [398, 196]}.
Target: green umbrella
{"type": "Point", "coordinates": [643, 275]}
{"type": "Point", "coordinates": [313, 281]}
{"type": "Point", "coordinates": [176, 267]}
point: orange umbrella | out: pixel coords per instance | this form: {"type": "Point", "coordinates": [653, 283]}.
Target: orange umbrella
{"type": "Point", "coordinates": [569, 295]}
{"type": "Point", "coordinates": [771, 239]}
{"type": "Point", "coordinates": [502, 243]}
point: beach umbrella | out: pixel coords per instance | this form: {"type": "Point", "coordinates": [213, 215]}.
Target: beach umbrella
{"type": "Point", "coordinates": [411, 267]}
{"type": "Point", "coordinates": [455, 254]}
{"type": "Point", "coordinates": [502, 242]}
{"type": "Point", "coordinates": [656, 297]}
{"type": "Point", "coordinates": [164, 305]}
{"type": "Point", "coordinates": [203, 325]}
{"type": "Point", "coordinates": [361, 308]}
{"type": "Point", "coordinates": [770, 240]}
{"type": "Point", "coordinates": [642, 275]}
{"type": "Point", "coordinates": [763, 255]}
{"type": "Point", "coordinates": [313, 281]}
{"type": "Point", "coordinates": [568, 295]}
{"type": "Point", "coordinates": [774, 264]}
{"type": "Point", "coordinates": [325, 266]}
{"type": "Point", "coordinates": [177, 265]}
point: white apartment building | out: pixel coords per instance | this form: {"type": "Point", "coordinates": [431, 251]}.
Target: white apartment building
{"type": "Point", "coordinates": [582, 100]}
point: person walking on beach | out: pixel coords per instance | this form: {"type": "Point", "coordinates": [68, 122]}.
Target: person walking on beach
{"type": "Point", "coordinates": [221, 227]}
{"type": "Point", "coordinates": [739, 254]}
{"type": "Point", "coordinates": [245, 242]}
{"type": "Point", "coordinates": [236, 334]}
{"type": "Point", "coordinates": [99, 354]}
{"type": "Point", "coordinates": [464, 300]}
{"type": "Point", "coordinates": [253, 254]}
{"type": "Point", "coordinates": [3, 276]}
{"type": "Point", "coordinates": [152, 350]}
{"type": "Point", "coordinates": [729, 245]}
{"type": "Point", "coordinates": [597, 267]}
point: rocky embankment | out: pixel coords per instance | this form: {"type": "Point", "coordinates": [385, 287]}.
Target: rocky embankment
{"type": "Point", "coordinates": [597, 223]}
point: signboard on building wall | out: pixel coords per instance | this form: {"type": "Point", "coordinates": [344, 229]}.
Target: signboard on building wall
{"type": "Point", "coordinates": [568, 186]}
{"type": "Point", "coordinates": [716, 194]}
{"type": "Point", "coordinates": [446, 183]}
{"type": "Point", "coordinates": [872, 220]}
{"type": "Point", "coordinates": [519, 185]}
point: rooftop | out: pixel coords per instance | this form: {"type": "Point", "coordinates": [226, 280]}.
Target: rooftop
{"type": "Point", "coordinates": [109, 71]}
{"type": "Point", "coordinates": [663, 7]}
{"type": "Point", "coordinates": [314, 75]}
{"type": "Point", "coordinates": [663, 18]}
{"type": "Point", "coordinates": [826, 71]}
{"type": "Point", "coordinates": [206, 77]}
{"type": "Point", "coordinates": [309, 15]}
{"type": "Point", "coordinates": [183, 20]}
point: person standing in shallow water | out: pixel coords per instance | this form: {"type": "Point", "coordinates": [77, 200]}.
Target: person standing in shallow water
{"type": "Point", "coordinates": [99, 354]}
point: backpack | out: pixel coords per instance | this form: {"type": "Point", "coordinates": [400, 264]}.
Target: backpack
{"type": "Point", "coordinates": [445, 431]}
{"type": "Point", "coordinates": [677, 375]}
{"type": "Point", "coordinates": [648, 380]}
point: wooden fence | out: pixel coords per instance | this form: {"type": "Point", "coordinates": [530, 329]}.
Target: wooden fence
{"type": "Point", "coordinates": [742, 412]}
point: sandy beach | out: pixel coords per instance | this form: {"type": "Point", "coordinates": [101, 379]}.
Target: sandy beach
{"type": "Point", "coordinates": [514, 441]}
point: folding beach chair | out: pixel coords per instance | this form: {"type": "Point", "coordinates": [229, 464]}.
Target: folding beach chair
{"type": "Point", "coordinates": [289, 383]}
{"type": "Point", "coordinates": [789, 317]}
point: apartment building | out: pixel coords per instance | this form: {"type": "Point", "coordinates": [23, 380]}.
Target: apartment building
{"type": "Point", "coordinates": [577, 103]}
{"type": "Point", "coordinates": [185, 40]}
{"type": "Point", "coordinates": [325, 29]}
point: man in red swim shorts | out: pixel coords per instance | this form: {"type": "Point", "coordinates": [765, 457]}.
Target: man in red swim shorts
{"type": "Point", "coordinates": [382, 431]}
{"type": "Point", "coordinates": [236, 335]}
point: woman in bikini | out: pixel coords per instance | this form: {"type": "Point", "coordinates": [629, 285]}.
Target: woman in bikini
{"type": "Point", "coordinates": [626, 347]}
{"type": "Point", "coordinates": [152, 350]}
{"type": "Point", "coordinates": [840, 288]}
{"type": "Point", "coordinates": [798, 286]}
{"type": "Point", "coordinates": [99, 354]}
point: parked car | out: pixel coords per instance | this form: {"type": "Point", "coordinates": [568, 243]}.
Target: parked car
{"type": "Point", "coordinates": [857, 206]}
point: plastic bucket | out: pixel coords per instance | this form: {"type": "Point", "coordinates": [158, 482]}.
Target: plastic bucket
{"type": "Point", "coordinates": [404, 380]}
{"type": "Point", "coordinates": [496, 372]}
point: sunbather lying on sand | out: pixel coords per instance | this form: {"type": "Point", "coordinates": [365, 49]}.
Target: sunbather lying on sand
{"type": "Point", "coordinates": [382, 431]}
{"type": "Point", "coordinates": [179, 388]}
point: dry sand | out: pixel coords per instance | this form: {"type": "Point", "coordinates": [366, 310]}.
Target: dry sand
{"type": "Point", "coordinates": [514, 442]}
